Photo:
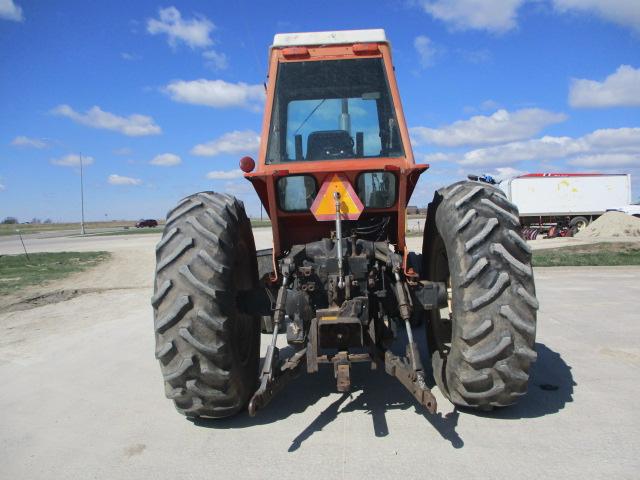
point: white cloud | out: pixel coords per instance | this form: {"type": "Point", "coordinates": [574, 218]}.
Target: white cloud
{"type": "Point", "coordinates": [489, 105]}
{"type": "Point", "coordinates": [622, 12]}
{"type": "Point", "coordinates": [216, 93]}
{"type": "Point", "coordinates": [503, 173]}
{"type": "Point", "coordinates": [607, 160]}
{"type": "Point", "coordinates": [239, 189]}
{"type": "Point", "coordinates": [545, 147]}
{"type": "Point", "coordinates": [246, 141]}
{"type": "Point", "coordinates": [123, 152]}
{"type": "Point", "coordinates": [437, 157]}
{"type": "Point", "coordinates": [620, 89]}
{"type": "Point", "coordinates": [225, 174]}
{"type": "Point", "coordinates": [600, 142]}
{"type": "Point", "coordinates": [499, 16]}
{"type": "Point", "coordinates": [130, 56]}
{"type": "Point", "coordinates": [72, 160]}
{"type": "Point", "coordinates": [215, 60]}
{"type": "Point", "coordinates": [10, 11]}
{"type": "Point", "coordinates": [2, 187]}
{"type": "Point", "coordinates": [496, 16]}
{"type": "Point", "coordinates": [476, 57]}
{"type": "Point", "coordinates": [114, 179]}
{"type": "Point", "coordinates": [166, 160]}
{"type": "Point", "coordinates": [618, 139]}
{"type": "Point", "coordinates": [485, 106]}
{"type": "Point", "coordinates": [23, 141]}
{"type": "Point", "coordinates": [426, 50]}
{"type": "Point", "coordinates": [501, 126]}
{"type": "Point", "coordinates": [195, 32]}
{"type": "Point", "coordinates": [134, 125]}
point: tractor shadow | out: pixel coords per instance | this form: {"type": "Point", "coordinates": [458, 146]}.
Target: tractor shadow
{"type": "Point", "coordinates": [551, 387]}
{"type": "Point", "coordinates": [375, 393]}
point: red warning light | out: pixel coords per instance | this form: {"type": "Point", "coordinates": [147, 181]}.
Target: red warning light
{"type": "Point", "coordinates": [247, 164]}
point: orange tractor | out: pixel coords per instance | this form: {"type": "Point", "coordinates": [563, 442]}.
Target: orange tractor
{"type": "Point", "coordinates": [335, 173]}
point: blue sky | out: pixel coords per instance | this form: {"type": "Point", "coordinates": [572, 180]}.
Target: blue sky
{"type": "Point", "coordinates": [162, 99]}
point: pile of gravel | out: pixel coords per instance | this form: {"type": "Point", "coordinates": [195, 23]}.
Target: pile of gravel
{"type": "Point", "coordinates": [612, 224]}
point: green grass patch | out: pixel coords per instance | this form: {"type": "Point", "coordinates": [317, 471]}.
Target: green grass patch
{"type": "Point", "coordinates": [17, 272]}
{"type": "Point", "coordinates": [594, 255]}
{"type": "Point", "coordinates": [260, 223]}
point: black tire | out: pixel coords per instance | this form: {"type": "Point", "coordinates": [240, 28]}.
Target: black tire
{"type": "Point", "coordinates": [578, 223]}
{"type": "Point", "coordinates": [208, 350]}
{"type": "Point", "coordinates": [480, 358]}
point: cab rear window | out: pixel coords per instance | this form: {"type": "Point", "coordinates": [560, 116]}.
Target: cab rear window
{"type": "Point", "coordinates": [331, 110]}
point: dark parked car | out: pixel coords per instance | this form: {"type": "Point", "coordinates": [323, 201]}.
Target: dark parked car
{"type": "Point", "coordinates": [147, 223]}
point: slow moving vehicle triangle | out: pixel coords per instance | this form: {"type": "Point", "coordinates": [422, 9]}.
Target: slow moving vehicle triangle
{"type": "Point", "coordinates": [324, 206]}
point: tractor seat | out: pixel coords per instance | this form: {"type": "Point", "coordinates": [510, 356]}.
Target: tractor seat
{"type": "Point", "coordinates": [327, 144]}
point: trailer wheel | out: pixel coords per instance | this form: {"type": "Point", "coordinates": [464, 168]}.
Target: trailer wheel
{"type": "Point", "coordinates": [482, 342]}
{"type": "Point", "coordinates": [208, 350]}
{"type": "Point", "coordinates": [577, 224]}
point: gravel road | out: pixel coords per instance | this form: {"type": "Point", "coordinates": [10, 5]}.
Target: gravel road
{"type": "Point", "coordinates": [82, 394]}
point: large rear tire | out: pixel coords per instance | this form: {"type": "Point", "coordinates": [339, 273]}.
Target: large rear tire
{"type": "Point", "coordinates": [482, 343]}
{"type": "Point", "coordinates": [208, 350]}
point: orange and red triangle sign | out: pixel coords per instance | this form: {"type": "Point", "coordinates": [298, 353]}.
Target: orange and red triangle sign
{"type": "Point", "coordinates": [324, 206]}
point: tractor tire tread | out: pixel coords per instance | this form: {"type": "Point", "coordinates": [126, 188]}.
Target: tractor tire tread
{"type": "Point", "coordinates": [194, 316]}
{"type": "Point", "coordinates": [494, 303]}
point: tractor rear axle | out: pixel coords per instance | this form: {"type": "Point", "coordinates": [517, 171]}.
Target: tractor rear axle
{"type": "Point", "coordinates": [328, 324]}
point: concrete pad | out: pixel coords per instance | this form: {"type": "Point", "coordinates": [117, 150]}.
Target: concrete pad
{"type": "Point", "coordinates": [82, 396]}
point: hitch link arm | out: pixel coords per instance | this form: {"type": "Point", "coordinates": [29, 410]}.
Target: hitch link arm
{"type": "Point", "coordinates": [336, 198]}
{"type": "Point", "coordinates": [272, 355]}
{"type": "Point", "coordinates": [274, 376]}
{"type": "Point", "coordinates": [409, 369]}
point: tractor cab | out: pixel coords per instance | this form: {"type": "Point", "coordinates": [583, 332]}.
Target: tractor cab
{"type": "Point", "coordinates": [333, 107]}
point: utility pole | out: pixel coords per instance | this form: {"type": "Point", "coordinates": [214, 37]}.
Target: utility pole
{"type": "Point", "coordinates": [81, 198]}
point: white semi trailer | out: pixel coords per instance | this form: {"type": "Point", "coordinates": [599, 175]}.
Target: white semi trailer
{"type": "Point", "coordinates": [547, 200]}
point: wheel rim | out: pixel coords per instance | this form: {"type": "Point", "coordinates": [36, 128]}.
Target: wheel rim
{"type": "Point", "coordinates": [449, 298]}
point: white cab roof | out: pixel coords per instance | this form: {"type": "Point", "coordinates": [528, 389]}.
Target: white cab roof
{"type": "Point", "coordinates": [329, 38]}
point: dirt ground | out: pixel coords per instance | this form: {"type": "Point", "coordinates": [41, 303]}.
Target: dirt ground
{"type": "Point", "coordinates": [82, 393]}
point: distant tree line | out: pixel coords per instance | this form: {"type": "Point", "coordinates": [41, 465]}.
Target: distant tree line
{"type": "Point", "coordinates": [413, 210]}
{"type": "Point", "coordinates": [14, 221]}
